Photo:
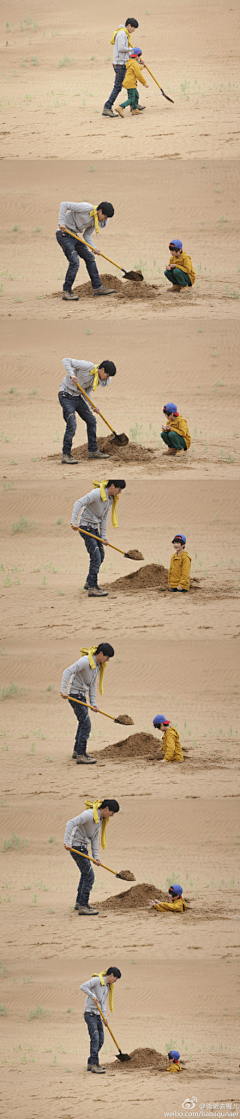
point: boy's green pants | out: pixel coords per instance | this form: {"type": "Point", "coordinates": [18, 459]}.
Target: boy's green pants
{"type": "Point", "coordinates": [176, 276]}
{"type": "Point", "coordinates": [172, 439]}
{"type": "Point", "coordinates": [133, 99]}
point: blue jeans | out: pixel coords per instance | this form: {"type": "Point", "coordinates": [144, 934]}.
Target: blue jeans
{"type": "Point", "coordinates": [70, 405]}
{"type": "Point", "coordinates": [96, 1032]}
{"type": "Point", "coordinates": [120, 72]}
{"type": "Point", "coordinates": [96, 552]}
{"type": "Point", "coordinates": [84, 724]}
{"type": "Point", "coordinates": [73, 250]}
{"type": "Point", "coordinates": [86, 880]}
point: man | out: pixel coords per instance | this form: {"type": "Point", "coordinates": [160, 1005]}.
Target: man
{"type": "Point", "coordinates": [98, 989]}
{"type": "Point", "coordinates": [89, 376]}
{"type": "Point", "coordinates": [84, 674]}
{"type": "Point", "coordinates": [177, 905]}
{"type": "Point", "coordinates": [81, 218]}
{"type": "Point", "coordinates": [121, 53]}
{"type": "Point", "coordinates": [81, 831]}
{"type": "Point", "coordinates": [170, 744]}
{"type": "Point", "coordinates": [94, 508]}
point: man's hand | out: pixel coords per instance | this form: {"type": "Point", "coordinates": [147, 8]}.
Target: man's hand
{"type": "Point", "coordinates": [63, 228]}
{"type": "Point", "coordinates": [73, 378]}
{"type": "Point", "coordinates": [97, 251]}
{"type": "Point", "coordinates": [75, 527]}
{"type": "Point", "coordinates": [95, 409]}
{"type": "Point", "coordinates": [105, 541]}
{"type": "Point", "coordinates": [97, 861]}
{"type": "Point", "coordinates": [66, 847]}
{"type": "Point", "coordinates": [95, 708]}
{"type": "Point", "coordinates": [64, 695]}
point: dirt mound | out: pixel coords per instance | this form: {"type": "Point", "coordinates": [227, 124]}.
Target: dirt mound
{"type": "Point", "coordinates": [135, 898]}
{"type": "Point", "coordinates": [127, 874]}
{"type": "Point", "coordinates": [152, 576]}
{"type": "Point", "coordinates": [134, 554]}
{"type": "Point", "coordinates": [144, 1058]}
{"type": "Point", "coordinates": [132, 453]}
{"type": "Point", "coordinates": [123, 289]}
{"type": "Point", "coordinates": [135, 746]}
{"type": "Point", "coordinates": [125, 719]}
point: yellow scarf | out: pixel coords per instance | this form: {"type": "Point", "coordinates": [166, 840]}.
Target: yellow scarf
{"type": "Point", "coordinates": [94, 373]}
{"type": "Point", "coordinates": [122, 28]}
{"type": "Point", "coordinates": [101, 486]}
{"type": "Point", "coordinates": [95, 804]}
{"type": "Point", "coordinates": [90, 653]}
{"type": "Point", "coordinates": [94, 214]}
{"type": "Point", "coordinates": [111, 986]}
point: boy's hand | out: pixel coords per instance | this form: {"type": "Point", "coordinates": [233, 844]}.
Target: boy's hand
{"type": "Point", "coordinates": [179, 588]}
{"type": "Point", "coordinates": [147, 85]}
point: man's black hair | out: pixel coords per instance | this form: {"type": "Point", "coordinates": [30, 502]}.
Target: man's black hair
{"type": "Point", "coordinates": [133, 22]}
{"type": "Point", "coordinates": [118, 482]}
{"type": "Point", "coordinates": [113, 805]}
{"type": "Point", "coordinates": [114, 971]}
{"type": "Point", "coordinates": [107, 209]}
{"type": "Point", "coordinates": [106, 649]}
{"type": "Point", "coordinates": [109, 367]}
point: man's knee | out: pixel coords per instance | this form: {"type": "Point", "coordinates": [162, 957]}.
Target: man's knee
{"type": "Point", "coordinates": [74, 259]}
{"type": "Point", "coordinates": [71, 423]}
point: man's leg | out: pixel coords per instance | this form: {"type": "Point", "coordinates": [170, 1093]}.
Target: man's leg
{"type": "Point", "coordinates": [120, 72]}
{"type": "Point", "coordinates": [85, 254]}
{"type": "Point", "coordinates": [93, 1030]}
{"type": "Point", "coordinates": [172, 439]}
{"type": "Point", "coordinates": [68, 246]}
{"type": "Point", "coordinates": [96, 552]}
{"type": "Point", "coordinates": [87, 878]}
{"type": "Point", "coordinates": [84, 725]}
{"type": "Point", "coordinates": [68, 406]}
{"type": "Point", "coordinates": [84, 411]}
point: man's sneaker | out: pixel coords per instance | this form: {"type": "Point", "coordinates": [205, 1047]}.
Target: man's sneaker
{"type": "Point", "coordinates": [98, 1068]}
{"type": "Point", "coordinates": [96, 592]}
{"type": "Point", "coordinates": [74, 755]}
{"type": "Point", "coordinates": [97, 454]}
{"type": "Point", "coordinates": [108, 113]}
{"type": "Point", "coordinates": [70, 460]}
{"type": "Point", "coordinates": [76, 906]}
{"type": "Point", "coordinates": [69, 295]}
{"type": "Point", "coordinates": [103, 291]}
{"type": "Point", "coordinates": [85, 759]}
{"type": "Point", "coordinates": [87, 911]}
{"type": "Point", "coordinates": [120, 111]}
{"type": "Point", "coordinates": [85, 586]}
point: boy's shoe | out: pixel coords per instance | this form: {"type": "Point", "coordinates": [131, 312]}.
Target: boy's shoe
{"type": "Point", "coordinates": [87, 911]}
{"type": "Point", "coordinates": [103, 291]}
{"type": "Point", "coordinates": [70, 460]}
{"type": "Point", "coordinates": [178, 287]}
{"type": "Point", "coordinates": [140, 109]}
{"type": "Point", "coordinates": [135, 112]}
{"type": "Point", "coordinates": [96, 592]}
{"type": "Point", "coordinates": [85, 759]}
{"type": "Point", "coordinates": [108, 113]}
{"type": "Point", "coordinates": [120, 111]}
{"type": "Point", "coordinates": [97, 454]}
{"type": "Point", "coordinates": [69, 295]}
{"type": "Point", "coordinates": [98, 1068]}
{"type": "Point", "coordinates": [181, 452]}
{"type": "Point", "coordinates": [170, 452]}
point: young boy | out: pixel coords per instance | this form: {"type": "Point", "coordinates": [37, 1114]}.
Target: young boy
{"type": "Point", "coordinates": [98, 989]}
{"type": "Point", "coordinates": [94, 507]}
{"type": "Point", "coordinates": [84, 674]}
{"type": "Point", "coordinates": [81, 831]}
{"type": "Point", "coordinates": [179, 271]}
{"type": "Point", "coordinates": [89, 376]}
{"type": "Point", "coordinates": [81, 218]}
{"type": "Point", "coordinates": [175, 433]}
{"type": "Point", "coordinates": [170, 745]}
{"type": "Point", "coordinates": [174, 1057]}
{"type": "Point", "coordinates": [180, 563]}
{"type": "Point", "coordinates": [122, 45]}
{"type": "Point", "coordinates": [178, 905]}
{"type": "Point", "coordinates": [133, 75]}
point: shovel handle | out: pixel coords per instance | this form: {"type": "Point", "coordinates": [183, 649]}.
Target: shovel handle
{"type": "Point", "coordinates": [90, 402]}
{"type": "Point", "coordinates": [91, 247]}
{"type": "Point", "coordinates": [93, 861]}
{"type": "Point", "coordinates": [91, 708]}
{"type": "Point", "coordinates": [102, 542]}
{"type": "Point", "coordinates": [152, 76]}
{"type": "Point", "coordinates": [108, 1027]}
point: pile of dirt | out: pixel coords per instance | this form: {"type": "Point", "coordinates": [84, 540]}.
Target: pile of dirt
{"type": "Point", "coordinates": [135, 746]}
{"type": "Point", "coordinates": [135, 898]}
{"type": "Point", "coordinates": [125, 719]}
{"type": "Point", "coordinates": [133, 452]}
{"type": "Point", "coordinates": [123, 289]}
{"type": "Point", "coordinates": [134, 554]}
{"type": "Point", "coordinates": [151, 577]}
{"type": "Point", "coordinates": [144, 1058]}
{"type": "Point", "coordinates": [127, 874]}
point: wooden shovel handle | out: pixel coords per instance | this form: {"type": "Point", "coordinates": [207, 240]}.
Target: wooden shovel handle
{"type": "Point", "coordinates": [154, 79]}
{"type": "Point", "coordinates": [99, 413]}
{"type": "Point", "coordinates": [101, 541]}
{"type": "Point", "coordinates": [91, 860]}
{"type": "Point", "coordinates": [91, 247]}
{"type": "Point", "coordinates": [91, 708]}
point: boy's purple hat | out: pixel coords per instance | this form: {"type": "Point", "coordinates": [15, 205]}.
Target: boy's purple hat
{"type": "Point", "coordinates": [175, 244]}
{"type": "Point", "coordinates": [174, 1054]}
{"type": "Point", "coordinates": [179, 536]}
{"type": "Point", "coordinates": [170, 408]}
{"type": "Point", "coordinates": [135, 51]}
{"type": "Point", "coordinates": [160, 719]}
{"type": "Point", "coordinates": [175, 890]}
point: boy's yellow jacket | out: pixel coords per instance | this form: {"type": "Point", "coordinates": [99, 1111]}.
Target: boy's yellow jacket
{"type": "Point", "coordinates": [175, 1067]}
{"type": "Point", "coordinates": [184, 262]}
{"type": "Point", "coordinates": [179, 571]}
{"type": "Point", "coordinates": [134, 75]}
{"type": "Point", "coordinates": [180, 425]}
{"type": "Point", "coordinates": [177, 906]}
{"type": "Point", "coordinates": [171, 745]}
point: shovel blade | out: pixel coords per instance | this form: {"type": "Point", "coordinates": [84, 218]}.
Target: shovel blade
{"type": "Point", "coordinates": [137, 276]}
{"type": "Point", "coordinates": [123, 1056]}
{"type": "Point", "coordinates": [120, 440]}
{"type": "Point", "coordinates": [167, 98]}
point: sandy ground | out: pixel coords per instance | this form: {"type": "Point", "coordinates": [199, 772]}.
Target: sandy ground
{"type": "Point", "coordinates": [57, 73]}
{"type": "Point", "coordinates": [201, 207]}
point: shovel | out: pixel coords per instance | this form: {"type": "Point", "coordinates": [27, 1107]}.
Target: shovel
{"type": "Point", "coordinates": [91, 708]}
{"type": "Point", "coordinates": [120, 875]}
{"type": "Point", "coordinates": [123, 439]}
{"type": "Point", "coordinates": [121, 1056]}
{"type": "Point", "coordinates": [137, 276]}
{"type": "Point", "coordinates": [159, 86]}
{"type": "Point", "coordinates": [128, 555]}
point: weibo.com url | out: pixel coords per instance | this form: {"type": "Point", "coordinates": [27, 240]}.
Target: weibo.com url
{"type": "Point", "coordinates": [229, 1110]}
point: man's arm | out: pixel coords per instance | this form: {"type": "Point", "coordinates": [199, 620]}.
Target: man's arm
{"type": "Point", "coordinates": [103, 525]}
{"type": "Point", "coordinates": [69, 672]}
{"type": "Point", "coordinates": [86, 500]}
{"type": "Point", "coordinates": [122, 44]}
{"type": "Point", "coordinates": [69, 828]}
